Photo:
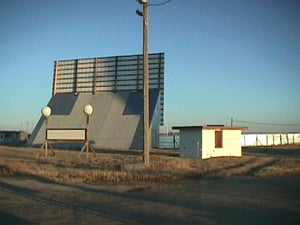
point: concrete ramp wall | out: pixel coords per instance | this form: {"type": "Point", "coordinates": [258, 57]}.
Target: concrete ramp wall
{"type": "Point", "coordinates": [116, 122]}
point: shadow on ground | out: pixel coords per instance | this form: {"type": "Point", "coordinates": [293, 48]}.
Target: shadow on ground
{"type": "Point", "coordinates": [7, 218]}
{"type": "Point", "coordinates": [214, 201]}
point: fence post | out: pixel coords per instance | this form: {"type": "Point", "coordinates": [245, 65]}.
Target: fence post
{"type": "Point", "coordinates": [293, 139]}
{"type": "Point", "coordinates": [280, 137]}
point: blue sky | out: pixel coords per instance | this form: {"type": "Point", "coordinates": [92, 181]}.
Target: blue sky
{"type": "Point", "coordinates": [224, 58]}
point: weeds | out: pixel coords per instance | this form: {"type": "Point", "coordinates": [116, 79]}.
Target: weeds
{"type": "Point", "coordinates": [66, 166]}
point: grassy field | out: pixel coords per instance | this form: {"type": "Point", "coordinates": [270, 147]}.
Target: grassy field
{"type": "Point", "coordinates": [262, 187]}
{"type": "Point", "coordinates": [165, 165]}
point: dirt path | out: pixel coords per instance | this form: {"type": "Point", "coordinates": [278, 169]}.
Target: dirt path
{"type": "Point", "coordinates": [206, 201]}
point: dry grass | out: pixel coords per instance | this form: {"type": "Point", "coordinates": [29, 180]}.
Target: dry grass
{"type": "Point", "coordinates": [67, 166]}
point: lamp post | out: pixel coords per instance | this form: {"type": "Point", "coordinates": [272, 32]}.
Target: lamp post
{"type": "Point", "coordinates": [88, 110]}
{"type": "Point", "coordinates": [46, 112]}
{"type": "Point", "coordinates": [147, 134]}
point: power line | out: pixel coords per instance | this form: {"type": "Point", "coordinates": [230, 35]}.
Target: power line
{"type": "Point", "coordinates": [255, 35]}
{"type": "Point", "coordinates": [263, 26]}
{"type": "Point", "coordinates": [265, 23]}
{"type": "Point", "coordinates": [160, 4]}
{"type": "Point", "coordinates": [265, 123]}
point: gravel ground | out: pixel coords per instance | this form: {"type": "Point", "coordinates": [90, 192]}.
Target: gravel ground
{"type": "Point", "coordinates": [262, 187]}
{"type": "Point", "coordinates": [273, 200]}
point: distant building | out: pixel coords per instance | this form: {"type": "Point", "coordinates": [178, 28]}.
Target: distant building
{"type": "Point", "coordinates": [13, 137]}
{"type": "Point", "coordinates": [270, 139]}
{"type": "Point", "coordinates": [209, 141]}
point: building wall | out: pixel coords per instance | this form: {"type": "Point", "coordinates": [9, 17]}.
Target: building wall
{"type": "Point", "coordinates": [190, 142]}
{"type": "Point", "coordinates": [109, 74]}
{"type": "Point", "coordinates": [208, 143]}
{"type": "Point", "coordinates": [116, 122]}
{"type": "Point", "coordinates": [13, 137]}
{"type": "Point", "coordinates": [114, 86]}
{"type": "Point", "coordinates": [155, 123]}
{"type": "Point", "coordinates": [231, 145]}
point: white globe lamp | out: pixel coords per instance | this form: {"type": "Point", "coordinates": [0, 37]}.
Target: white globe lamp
{"type": "Point", "coordinates": [88, 109]}
{"type": "Point", "coordinates": [46, 111]}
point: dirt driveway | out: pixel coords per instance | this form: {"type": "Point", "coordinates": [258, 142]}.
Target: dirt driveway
{"type": "Point", "coordinates": [204, 201]}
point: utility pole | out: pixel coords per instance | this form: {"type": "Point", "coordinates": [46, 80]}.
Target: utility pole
{"type": "Point", "coordinates": [147, 133]}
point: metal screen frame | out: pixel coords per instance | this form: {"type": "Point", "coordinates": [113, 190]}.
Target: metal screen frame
{"type": "Point", "coordinates": [109, 74]}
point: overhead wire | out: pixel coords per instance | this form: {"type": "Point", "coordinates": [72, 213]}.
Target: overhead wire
{"type": "Point", "coordinates": [256, 35]}
{"type": "Point", "coordinates": [160, 4]}
{"type": "Point", "coordinates": [265, 123]}
{"type": "Point", "coordinates": [264, 24]}
{"type": "Point", "coordinates": [216, 16]}
{"type": "Point", "coordinates": [173, 89]}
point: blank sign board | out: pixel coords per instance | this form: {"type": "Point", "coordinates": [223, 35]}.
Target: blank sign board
{"type": "Point", "coordinates": [66, 134]}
